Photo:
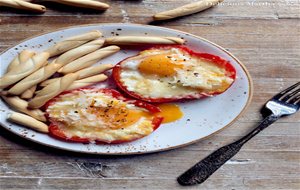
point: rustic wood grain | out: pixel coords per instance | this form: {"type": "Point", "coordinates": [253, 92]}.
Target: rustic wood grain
{"type": "Point", "coordinates": [263, 34]}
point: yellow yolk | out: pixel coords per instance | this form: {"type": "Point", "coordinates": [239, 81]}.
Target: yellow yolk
{"type": "Point", "coordinates": [118, 116]}
{"type": "Point", "coordinates": [224, 86]}
{"type": "Point", "coordinates": [170, 112]}
{"type": "Point", "coordinates": [158, 64]}
{"type": "Point", "coordinates": [101, 117]}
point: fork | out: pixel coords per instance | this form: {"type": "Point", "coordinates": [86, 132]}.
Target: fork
{"type": "Point", "coordinates": [282, 104]}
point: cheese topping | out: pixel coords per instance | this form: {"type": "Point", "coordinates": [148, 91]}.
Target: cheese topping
{"type": "Point", "coordinates": [98, 116]}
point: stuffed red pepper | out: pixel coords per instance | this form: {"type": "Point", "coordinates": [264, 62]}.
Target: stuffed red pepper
{"type": "Point", "coordinates": [169, 73]}
{"type": "Point", "coordinates": [101, 116]}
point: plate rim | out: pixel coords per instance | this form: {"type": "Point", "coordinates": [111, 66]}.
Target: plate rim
{"type": "Point", "coordinates": [249, 99]}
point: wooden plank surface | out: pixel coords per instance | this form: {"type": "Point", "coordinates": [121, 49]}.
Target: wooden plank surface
{"type": "Point", "coordinates": [263, 34]}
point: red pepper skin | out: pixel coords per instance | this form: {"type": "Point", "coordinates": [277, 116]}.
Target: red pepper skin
{"type": "Point", "coordinates": [55, 131]}
{"type": "Point", "coordinates": [213, 58]}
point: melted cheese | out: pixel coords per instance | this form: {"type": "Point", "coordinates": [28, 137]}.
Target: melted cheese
{"type": "Point", "coordinates": [97, 116]}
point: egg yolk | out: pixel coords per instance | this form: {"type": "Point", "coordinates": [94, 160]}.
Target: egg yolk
{"type": "Point", "coordinates": [118, 116]}
{"type": "Point", "coordinates": [161, 65]}
{"type": "Point", "coordinates": [170, 112]}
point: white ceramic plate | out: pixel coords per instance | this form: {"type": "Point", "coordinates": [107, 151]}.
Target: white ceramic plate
{"type": "Point", "coordinates": [201, 117]}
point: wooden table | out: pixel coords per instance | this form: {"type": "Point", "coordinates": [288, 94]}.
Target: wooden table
{"type": "Point", "coordinates": [263, 34]}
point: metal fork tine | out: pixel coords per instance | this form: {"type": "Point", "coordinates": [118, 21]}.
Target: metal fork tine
{"type": "Point", "coordinates": [296, 100]}
{"type": "Point", "coordinates": [289, 96]}
{"type": "Point", "coordinates": [279, 95]}
{"type": "Point", "coordinates": [290, 88]}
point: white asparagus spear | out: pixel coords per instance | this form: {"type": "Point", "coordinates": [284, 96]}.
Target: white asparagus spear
{"type": "Point", "coordinates": [73, 42]}
{"type": "Point", "coordinates": [80, 51]}
{"type": "Point", "coordinates": [24, 69]}
{"type": "Point", "coordinates": [88, 60]}
{"type": "Point", "coordinates": [28, 93]}
{"type": "Point", "coordinates": [91, 4]}
{"type": "Point", "coordinates": [87, 81]}
{"type": "Point", "coordinates": [28, 121]}
{"type": "Point", "coordinates": [84, 73]}
{"type": "Point", "coordinates": [33, 79]}
{"type": "Point", "coordinates": [20, 58]}
{"type": "Point", "coordinates": [186, 9]}
{"type": "Point", "coordinates": [52, 90]}
{"type": "Point", "coordinates": [137, 40]}
{"type": "Point", "coordinates": [19, 4]}
{"type": "Point", "coordinates": [20, 105]}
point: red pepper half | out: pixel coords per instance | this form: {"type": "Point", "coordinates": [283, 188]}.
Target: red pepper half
{"type": "Point", "coordinates": [55, 131]}
{"type": "Point", "coordinates": [212, 58]}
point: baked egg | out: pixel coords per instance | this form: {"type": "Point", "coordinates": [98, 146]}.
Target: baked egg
{"type": "Point", "coordinates": [100, 115]}
{"type": "Point", "coordinates": [167, 73]}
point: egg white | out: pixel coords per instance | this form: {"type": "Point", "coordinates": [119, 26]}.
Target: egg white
{"type": "Point", "coordinates": [197, 75]}
{"type": "Point", "coordinates": [71, 109]}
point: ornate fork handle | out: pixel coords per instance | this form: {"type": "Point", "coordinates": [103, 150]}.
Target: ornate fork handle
{"type": "Point", "coordinates": [206, 167]}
